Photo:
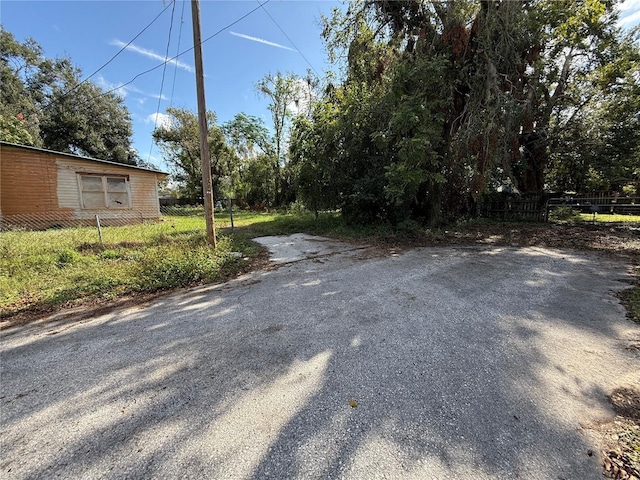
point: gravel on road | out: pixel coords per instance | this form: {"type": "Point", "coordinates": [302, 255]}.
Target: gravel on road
{"type": "Point", "coordinates": [432, 363]}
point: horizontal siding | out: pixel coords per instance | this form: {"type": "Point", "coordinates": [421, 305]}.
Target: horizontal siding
{"type": "Point", "coordinates": [44, 185]}
{"type": "Point", "coordinates": [144, 197]}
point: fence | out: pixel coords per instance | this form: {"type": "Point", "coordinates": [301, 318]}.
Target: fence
{"type": "Point", "coordinates": [511, 206]}
{"type": "Point", "coordinates": [55, 220]}
{"type": "Point", "coordinates": [600, 207]}
{"type": "Point", "coordinates": [62, 219]}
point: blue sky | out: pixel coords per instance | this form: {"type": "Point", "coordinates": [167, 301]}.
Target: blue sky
{"type": "Point", "coordinates": [91, 32]}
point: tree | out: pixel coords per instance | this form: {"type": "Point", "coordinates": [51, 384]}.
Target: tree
{"type": "Point", "coordinates": [283, 92]}
{"type": "Point", "coordinates": [250, 175]}
{"type": "Point", "coordinates": [179, 141]}
{"type": "Point", "coordinates": [443, 101]}
{"type": "Point", "coordinates": [595, 147]}
{"type": "Point", "coordinates": [20, 66]}
{"type": "Point", "coordinates": [44, 103]}
{"type": "Point", "coordinates": [81, 118]}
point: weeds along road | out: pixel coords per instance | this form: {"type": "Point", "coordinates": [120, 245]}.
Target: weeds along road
{"type": "Point", "coordinates": [343, 362]}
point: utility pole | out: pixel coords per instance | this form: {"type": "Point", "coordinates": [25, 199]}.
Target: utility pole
{"type": "Point", "coordinates": [207, 189]}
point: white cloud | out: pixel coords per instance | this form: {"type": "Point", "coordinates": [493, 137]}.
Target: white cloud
{"type": "Point", "coordinates": [159, 120]}
{"type": "Point", "coordinates": [151, 54]}
{"type": "Point", "coordinates": [629, 13]}
{"type": "Point", "coordinates": [630, 20]}
{"type": "Point", "coordinates": [629, 5]}
{"type": "Point", "coordinates": [261, 40]}
{"type": "Point", "coordinates": [122, 91]}
{"type": "Point", "coordinates": [108, 86]}
{"type": "Point", "coordinates": [134, 89]}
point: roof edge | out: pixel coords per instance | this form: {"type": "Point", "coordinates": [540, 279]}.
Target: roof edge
{"type": "Point", "coordinates": [53, 152]}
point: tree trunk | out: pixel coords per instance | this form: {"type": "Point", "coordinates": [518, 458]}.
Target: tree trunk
{"type": "Point", "coordinates": [535, 158]}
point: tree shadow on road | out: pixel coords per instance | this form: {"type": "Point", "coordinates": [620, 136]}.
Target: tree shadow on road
{"type": "Point", "coordinates": [391, 367]}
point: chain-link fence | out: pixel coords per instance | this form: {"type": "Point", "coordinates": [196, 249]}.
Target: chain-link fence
{"type": "Point", "coordinates": [57, 219]}
{"type": "Point", "coordinates": [606, 207]}
{"type": "Point", "coordinates": [600, 208]}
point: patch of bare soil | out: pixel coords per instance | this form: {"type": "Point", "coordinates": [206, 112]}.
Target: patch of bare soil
{"type": "Point", "coordinates": [622, 436]}
{"type": "Point", "coordinates": [622, 241]}
{"type": "Point", "coordinates": [79, 309]}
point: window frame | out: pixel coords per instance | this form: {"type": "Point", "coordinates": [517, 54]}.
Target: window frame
{"type": "Point", "coordinates": [104, 177]}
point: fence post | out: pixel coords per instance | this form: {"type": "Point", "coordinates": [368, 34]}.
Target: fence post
{"type": "Point", "coordinates": [546, 210]}
{"type": "Point", "coordinates": [99, 228]}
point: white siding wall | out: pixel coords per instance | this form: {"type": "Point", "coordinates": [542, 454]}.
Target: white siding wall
{"type": "Point", "coordinates": [143, 188]}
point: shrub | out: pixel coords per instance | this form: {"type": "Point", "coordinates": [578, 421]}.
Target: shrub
{"type": "Point", "coordinates": [66, 257]}
{"type": "Point", "coordinates": [161, 268]}
{"type": "Point", "coordinates": [564, 213]}
{"type": "Point", "coordinates": [109, 254]}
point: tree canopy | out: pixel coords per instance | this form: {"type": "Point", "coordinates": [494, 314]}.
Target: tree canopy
{"type": "Point", "coordinates": [180, 145]}
{"type": "Point", "coordinates": [44, 103]}
{"type": "Point", "coordinates": [441, 102]}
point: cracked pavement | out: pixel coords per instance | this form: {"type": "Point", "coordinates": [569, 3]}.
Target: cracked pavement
{"type": "Point", "coordinates": [342, 362]}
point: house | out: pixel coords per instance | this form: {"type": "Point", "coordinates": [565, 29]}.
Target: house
{"type": "Point", "coordinates": [42, 189]}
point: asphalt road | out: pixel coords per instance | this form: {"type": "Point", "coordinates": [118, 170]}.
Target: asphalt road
{"type": "Point", "coordinates": [342, 362]}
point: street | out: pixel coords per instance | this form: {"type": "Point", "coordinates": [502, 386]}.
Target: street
{"type": "Point", "coordinates": [340, 361]}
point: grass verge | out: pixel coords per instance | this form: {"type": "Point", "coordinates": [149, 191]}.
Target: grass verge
{"type": "Point", "coordinates": [45, 270]}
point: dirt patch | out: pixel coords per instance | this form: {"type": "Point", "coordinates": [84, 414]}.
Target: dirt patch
{"type": "Point", "coordinates": [626, 402]}
{"type": "Point", "coordinates": [80, 309]}
{"type": "Point", "coordinates": [622, 436]}
{"type": "Point", "coordinates": [619, 241]}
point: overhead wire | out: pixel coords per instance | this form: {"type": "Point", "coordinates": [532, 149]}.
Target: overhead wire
{"type": "Point", "coordinates": [121, 50]}
{"type": "Point", "coordinates": [175, 71]}
{"type": "Point", "coordinates": [183, 52]}
{"type": "Point", "coordinates": [262, 5]}
{"type": "Point", "coordinates": [164, 70]}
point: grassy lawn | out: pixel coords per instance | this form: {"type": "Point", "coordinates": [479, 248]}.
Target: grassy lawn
{"type": "Point", "coordinates": [43, 269]}
{"type": "Point", "coordinates": [610, 218]}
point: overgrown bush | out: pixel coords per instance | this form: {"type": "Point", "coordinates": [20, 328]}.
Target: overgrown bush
{"type": "Point", "coordinates": [161, 268]}
{"type": "Point", "coordinates": [66, 257]}
{"type": "Point", "coordinates": [564, 213]}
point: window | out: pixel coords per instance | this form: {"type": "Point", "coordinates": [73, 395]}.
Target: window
{"type": "Point", "coordinates": [98, 191]}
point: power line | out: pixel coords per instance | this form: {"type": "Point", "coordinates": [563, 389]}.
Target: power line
{"type": "Point", "coordinates": [122, 49]}
{"type": "Point", "coordinates": [262, 5]}
{"type": "Point", "coordinates": [183, 52]}
{"type": "Point", "coordinates": [175, 71]}
{"type": "Point", "coordinates": [164, 70]}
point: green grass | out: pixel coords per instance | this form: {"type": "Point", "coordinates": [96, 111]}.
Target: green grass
{"type": "Point", "coordinates": [39, 270]}
{"type": "Point", "coordinates": [606, 218]}
{"type": "Point", "coordinates": [631, 299]}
